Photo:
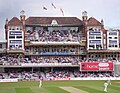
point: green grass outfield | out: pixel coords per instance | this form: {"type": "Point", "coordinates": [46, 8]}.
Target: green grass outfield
{"type": "Point", "coordinates": [53, 86]}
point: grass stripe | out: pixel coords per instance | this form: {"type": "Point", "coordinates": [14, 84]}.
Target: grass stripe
{"type": "Point", "coordinates": [114, 88]}
{"type": "Point", "coordinates": [39, 90]}
{"type": "Point", "coordinates": [95, 86]}
{"type": "Point", "coordinates": [56, 90]}
{"type": "Point", "coordinates": [7, 90]}
{"type": "Point", "coordinates": [19, 84]}
{"type": "Point", "coordinates": [88, 89]}
{"type": "Point", "coordinates": [23, 90]}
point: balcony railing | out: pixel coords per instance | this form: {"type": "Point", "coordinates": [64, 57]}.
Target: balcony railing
{"type": "Point", "coordinates": [15, 50]}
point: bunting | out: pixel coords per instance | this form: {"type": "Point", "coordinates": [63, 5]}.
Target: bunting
{"type": "Point", "coordinates": [53, 6]}
{"type": "Point", "coordinates": [44, 8]}
{"type": "Point", "coordinates": [62, 11]}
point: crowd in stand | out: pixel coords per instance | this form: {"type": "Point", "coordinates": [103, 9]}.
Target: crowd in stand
{"type": "Point", "coordinates": [110, 59]}
{"type": "Point", "coordinates": [53, 36]}
{"type": "Point", "coordinates": [92, 74]}
{"type": "Point", "coordinates": [58, 59]}
{"type": "Point", "coordinates": [54, 49]}
{"type": "Point", "coordinates": [48, 75]}
{"type": "Point", "coordinates": [51, 59]}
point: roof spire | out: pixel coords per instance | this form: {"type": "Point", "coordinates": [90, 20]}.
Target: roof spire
{"type": "Point", "coordinates": [22, 16]}
{"type": "Point", "coordinates": [6, 20]}
{"type": "Point", "coordinates": [84, 16]}
{"type": "Point", "coordinates": [22, 12]}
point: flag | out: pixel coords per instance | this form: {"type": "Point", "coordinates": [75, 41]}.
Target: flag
{"type": "Point", "coordinates": [53, 5]}
{"type": "Point", "coordinates": [44, 8]}
{"type": "Point", "coordinates": [62, 11]}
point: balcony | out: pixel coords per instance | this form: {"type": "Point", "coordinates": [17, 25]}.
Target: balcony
{"type": "Point", "coordinates": [102, 50]}
{"type": "Point", "coordinates": [49, 65]}
{"type": "Point", "coordinates": [27, 43]}
{"type": "Point", "coordinates": [15, 51]}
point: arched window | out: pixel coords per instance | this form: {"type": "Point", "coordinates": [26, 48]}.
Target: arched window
{"type": "Point", "coordinates": [54, 22]}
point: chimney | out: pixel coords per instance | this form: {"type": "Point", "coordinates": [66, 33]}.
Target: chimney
{"type": "Point", "coordinates": [84, 19]}
{"type": "Point", "coordinates": [102, 22]}
{"type": "Point", "coordinates": [6, 23]}
{"type": "Point", "coordinates": [6, 31]}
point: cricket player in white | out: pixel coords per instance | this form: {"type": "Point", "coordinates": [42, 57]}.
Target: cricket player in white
{"type": "Point", "coordinates": [109, 81]}
{"type": "Point", "coordinates": [105, 86]}
{"type": "Point", "coordinates": [40, 83]}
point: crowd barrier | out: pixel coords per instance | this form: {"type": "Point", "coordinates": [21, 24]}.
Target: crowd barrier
{"type": "Point", "coordinates": [68, 78]}
{"type": "Point", "coordinates": [46, 64]}
{"type": "Point", "coordinates": [96, 78]}
{"type": "Point", "coordinates": [8, 80]}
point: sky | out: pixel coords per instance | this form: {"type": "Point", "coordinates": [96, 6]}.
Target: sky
{"type": "Point", "coordinates": [108, 10]}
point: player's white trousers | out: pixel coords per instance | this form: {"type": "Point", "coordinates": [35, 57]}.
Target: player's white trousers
{"type": "Point", "coordinates": [105, 89]}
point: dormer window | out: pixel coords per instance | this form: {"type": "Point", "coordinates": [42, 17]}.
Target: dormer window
{"type": "Point", "coordinates": [9, 28]}
{"type": "Point", "coordinates": [54, 22]}
{"type": "Point", "coordinates": [13, 28]}
{"type": "Point", "coordinates": [20, 28]}
{"type": "Point", "coordinates": [17, 28]}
